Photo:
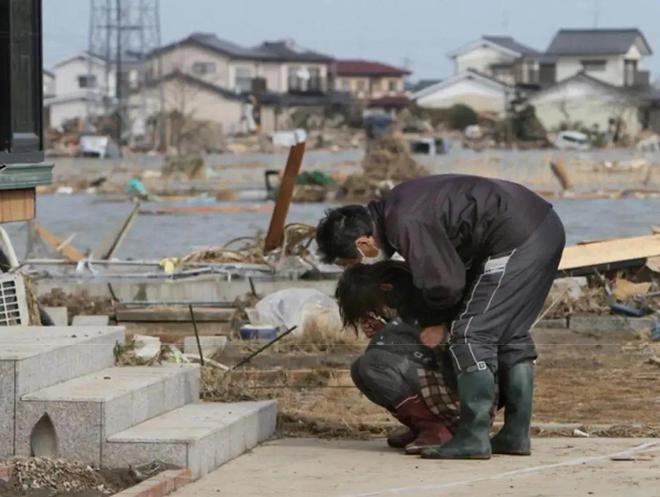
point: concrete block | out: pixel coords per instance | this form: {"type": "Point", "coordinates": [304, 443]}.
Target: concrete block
{"type": "Point", "coordinates": [33, 357]}
{"type": "Point", "coordinates": [59, 315]}
{"type": "Point", "coordinates": [86, 410]}
{"type": "Point", "coordinates": [7, 399]}
{"type": "Point", "coordinates": [210, 344]}
{"type": "Point", "coordinates": [199, 436]}
{"type": "Point", "coordinates": [91, 321]}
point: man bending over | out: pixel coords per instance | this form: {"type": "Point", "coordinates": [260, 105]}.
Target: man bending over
{"type": "Point", "coordinates": [490, 247]}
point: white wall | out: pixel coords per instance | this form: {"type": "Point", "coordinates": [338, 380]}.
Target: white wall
{"type": "Point", "coordinates": [66, 77]}
{"type": "Point", "coordinates": [70, 109]}
{"type": "Point", "coordinates": [613, 73]}
{"type": "Point", "coordinates": [197, 103]}
{"type": "Point", "coordinates": [580, 101]}
{"type": "Point", "coordinates": [480, 59]}
{"type": "Point", "coordinates": [481, 97]}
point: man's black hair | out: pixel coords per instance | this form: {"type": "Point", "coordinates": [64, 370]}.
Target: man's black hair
{"type": "Point", "coordinates": [338, 230]}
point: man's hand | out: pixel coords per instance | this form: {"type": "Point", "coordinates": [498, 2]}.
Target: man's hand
{"type": "Point", "coordinates": [432, 336]}
{"type": "Point", "coordinates": [371, 325]}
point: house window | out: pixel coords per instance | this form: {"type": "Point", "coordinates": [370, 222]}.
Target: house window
{"type": "Point", "coordinates": [630, 71]}
{"type": "Point", "coordinates": [346, 85]}
{"type": "Point", "coordinates": [203, 68]}
{"type": "Point", "coordinates": [361, 86]}
{"type": "Point", "coordinates": [21, 86]}
{"type": "Point", "coordinates": [594, 65]}
{"type": "Point", "coordinates": [547, 74]}
{"type": "Point", "coordinates": [393, 85]}
{"type": "Point", "coordinates": [87, 81]}
{"type": "Point", "coordinates": [243, 81]}
{"type": "Point", "coordinates": [315, 83]}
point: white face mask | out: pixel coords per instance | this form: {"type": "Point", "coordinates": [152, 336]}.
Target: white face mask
{"type": "Point", "coordinates": [372, 260]}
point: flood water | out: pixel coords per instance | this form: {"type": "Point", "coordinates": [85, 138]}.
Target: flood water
{"type": "Point", "coordinates": [157, 236]}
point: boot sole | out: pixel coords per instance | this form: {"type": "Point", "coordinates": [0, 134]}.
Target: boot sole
{"type": "Point", "coordinates": [478, 457]}
{"type": "Point", "coordinates": [512, 452]}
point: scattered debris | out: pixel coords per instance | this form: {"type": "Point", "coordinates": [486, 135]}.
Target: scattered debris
{"type": "Point", "coordinates": [386, 163]}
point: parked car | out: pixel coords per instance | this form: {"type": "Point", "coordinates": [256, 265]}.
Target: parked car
{"type": "Point", "coordinates": [572, 140]}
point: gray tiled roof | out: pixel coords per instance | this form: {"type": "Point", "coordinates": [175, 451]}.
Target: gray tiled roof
{"type": "Point", "coordinates": [595, 42]}
{"type": "Point", "coordinates": [511, 44]}
{"type": "Point", "coordinates": [269, 50]}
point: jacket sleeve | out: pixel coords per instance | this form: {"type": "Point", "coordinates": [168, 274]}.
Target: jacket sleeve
{"type": "Point", "coordinates": [436, 267]}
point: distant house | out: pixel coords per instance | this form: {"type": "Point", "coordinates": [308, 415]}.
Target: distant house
{"type": "Point", "coordinates": [594, 77]}
{"type": "Point", "coordinates": [49, 84]}
{"type": "Point", "coordinates": [613, 56]}
{"type": "Point", "coordinates": [366, 79]}
{"type": "Point", "coordinates": [499, 57]}
{"type": "Point", "coordinates": [583, 98]}
{"type": "Point", "coordinates": [479, 91]}
{"type": "Point", "coordinates": [274, 66]}
{"type": "Point", "coordinates": [81, 88]}
{"type": "Point", "coordinates": [195, 107]}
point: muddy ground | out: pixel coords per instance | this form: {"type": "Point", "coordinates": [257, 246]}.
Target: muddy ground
{"type": "Point", "coordinates": [589, 378]}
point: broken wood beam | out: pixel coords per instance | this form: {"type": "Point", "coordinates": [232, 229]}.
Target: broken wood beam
{"type": "Point", "coordinates": [559, 170]}
{"type": "Point", "coordinates": [606, 255]}
{"type": "Point", "coordinates": [63, 247]}
{"type": "Point", "coordinates": [287, 185]}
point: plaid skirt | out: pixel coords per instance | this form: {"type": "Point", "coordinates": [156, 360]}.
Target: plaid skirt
{"type": "Point", "coordinates": [439, 397]}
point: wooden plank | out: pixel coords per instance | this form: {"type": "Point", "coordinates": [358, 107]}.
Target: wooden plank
{"type": "Point", "coordinates": [278, 219]}
{"type": "Point", "coordinates": [609, 252]}
{"type": "Point", "coordinates": [61, 246]}
{"type": "Point", "coordinates": [110, 245]}
{"type": "Point", "coordinates": [174, 314]}
{"type": "Point", "coordinates": [17, 205]}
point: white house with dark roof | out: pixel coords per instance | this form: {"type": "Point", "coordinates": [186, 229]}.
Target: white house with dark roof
{"type": "Point", "coordinates": [614, 56]}
{"type": "Point", "coordinates": [478, 91]}
{"type": "Point", "coordinates": [499, 57]}
{"type": "Point", "coordinates": [590, 101]}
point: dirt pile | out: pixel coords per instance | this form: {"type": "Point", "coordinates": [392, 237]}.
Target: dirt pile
{"type": "Point", "coordinates": [79, 303]}
{"type": "Point", "coordinates": [63, 476]}
{"type": "Point", "coordinates": [387, 162]}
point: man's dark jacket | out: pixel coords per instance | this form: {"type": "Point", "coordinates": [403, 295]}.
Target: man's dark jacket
{"type": "Point", "coordinates": [446, 225]}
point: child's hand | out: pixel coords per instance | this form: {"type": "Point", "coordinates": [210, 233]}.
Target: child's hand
{"type": "Point", "coordinates": [432, 336]}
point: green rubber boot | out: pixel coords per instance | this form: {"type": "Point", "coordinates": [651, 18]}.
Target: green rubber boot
{"type": "Point", "coordinates": [476, 392]}
{"type": "Point", "coordinates": [517, 386]}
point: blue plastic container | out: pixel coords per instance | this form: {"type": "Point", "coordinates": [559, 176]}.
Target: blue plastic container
{"type": "Point", "coordinates": [258, 332]}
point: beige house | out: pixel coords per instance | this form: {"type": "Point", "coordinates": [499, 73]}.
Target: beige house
{"type": "Point", "coordinates": [279, 66]}
{"type": "Point", "coordinates": [197, 111]}
{"type": "Point", "coordinates": [366, 79]}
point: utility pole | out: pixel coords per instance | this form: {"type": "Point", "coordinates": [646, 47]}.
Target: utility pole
{"type": "Point", "coordinates": [123, 33]}
{"type": "Point", "coordinates": [118, 77]}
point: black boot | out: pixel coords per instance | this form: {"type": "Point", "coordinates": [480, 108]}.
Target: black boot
{"type": "Point", "coordinates": [476, 392]}
{"type": "Point", "coordinates": [517, 384]}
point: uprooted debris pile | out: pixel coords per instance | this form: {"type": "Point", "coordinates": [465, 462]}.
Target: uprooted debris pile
{"type": "Point", "coordinates": [386, 163]}
{"type": "Point", "coordinates": [79, 303]}
{"type": "Point", "coordinates": [62, 476]}
{"type": "Point", "coordinates": [249, 250]}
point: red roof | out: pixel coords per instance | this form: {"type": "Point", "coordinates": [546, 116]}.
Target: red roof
{"type": "Point", "coordinates": [356, 67]}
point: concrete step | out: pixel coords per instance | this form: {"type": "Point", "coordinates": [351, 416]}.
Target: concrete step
{"type": "Point", "coordinates": [84, 411]}
{"type": "Point", "coordinates": [199, 436]}
{"type": "Point", "coordinates": [35, 357]}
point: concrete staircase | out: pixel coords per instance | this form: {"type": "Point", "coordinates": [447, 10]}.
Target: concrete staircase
{"type": "Point", "coordinates": [62, 396]}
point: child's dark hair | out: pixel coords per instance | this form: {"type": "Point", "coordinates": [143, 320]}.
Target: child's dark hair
{"type": "Point", "coordinates": [337, 231]}
{"type": "Point", "coordinates": [360, 292]}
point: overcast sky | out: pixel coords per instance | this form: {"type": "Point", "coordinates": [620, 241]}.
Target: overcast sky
{"type": "Point", "coordinates": [414, 32]}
